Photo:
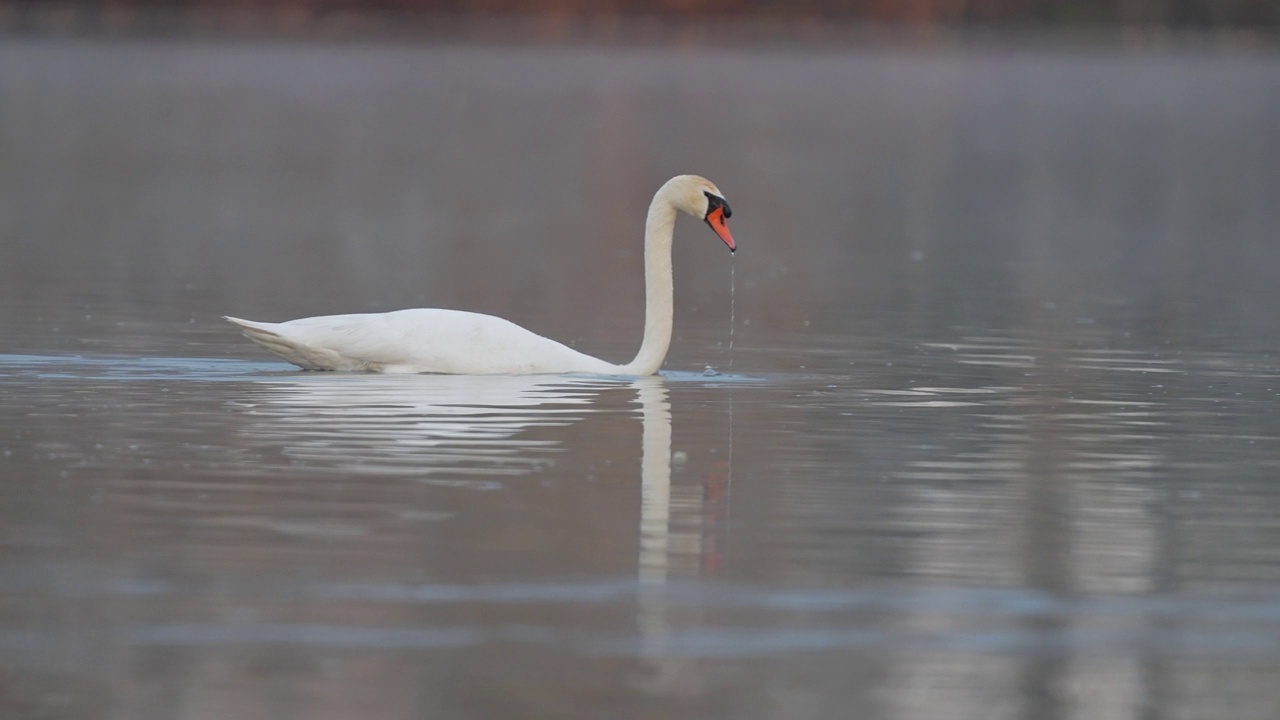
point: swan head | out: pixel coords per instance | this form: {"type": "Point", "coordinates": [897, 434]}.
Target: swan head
{"type": "Point", "coordinates": [701, 198]}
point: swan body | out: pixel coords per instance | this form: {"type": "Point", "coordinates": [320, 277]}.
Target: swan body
{"type": "Point", "coordinates": [419, 340]}
{"type": "Point", "coordinates": [432, 340]}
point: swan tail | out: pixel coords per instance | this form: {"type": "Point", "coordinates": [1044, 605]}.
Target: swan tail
{"type": "Point", "coordinates": [268, 336]}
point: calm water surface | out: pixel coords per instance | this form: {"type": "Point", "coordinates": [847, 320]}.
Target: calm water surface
{"type": "Point", "coordinates": [997, 436]}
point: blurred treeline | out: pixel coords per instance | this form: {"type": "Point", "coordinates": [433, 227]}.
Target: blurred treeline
{"type": "Point", "coordinates": [379, 15]}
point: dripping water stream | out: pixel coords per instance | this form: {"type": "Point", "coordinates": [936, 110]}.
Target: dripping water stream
{"type": "Point", "coordinates": [728, 488]}
{"type": "Point", "coordinates": [732, 307]}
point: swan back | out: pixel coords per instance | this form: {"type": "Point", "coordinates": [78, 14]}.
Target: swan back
{"type": "Point", "coordinates": [420, 340]}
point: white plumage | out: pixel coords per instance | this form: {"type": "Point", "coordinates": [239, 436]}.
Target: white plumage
{"type": "Point", "coordinates": [458, 342]}
{"type": "Point", "coordinates": [419, 340]}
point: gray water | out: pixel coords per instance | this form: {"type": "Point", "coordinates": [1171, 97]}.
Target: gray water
{"type": "Point", "coordinates": [999, 439]}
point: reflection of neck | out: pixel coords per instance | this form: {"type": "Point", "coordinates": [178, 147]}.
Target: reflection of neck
{"type": "Point", "coordinates": [655, 479]}
{"type": "Point", "coordinates": [658, 230]}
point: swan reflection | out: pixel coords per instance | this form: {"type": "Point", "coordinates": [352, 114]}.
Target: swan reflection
{"type": "Point", "coordinates": [680, 536]}
{"type": "Point", "coordinates": [418, 424]}
{"type": "Point", "coordinates": [480, 425]}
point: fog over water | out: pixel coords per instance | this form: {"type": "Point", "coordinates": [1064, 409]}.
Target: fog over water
{"type": "Point", "coordinates": [997, 436]}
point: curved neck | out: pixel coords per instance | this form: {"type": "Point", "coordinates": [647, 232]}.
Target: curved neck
{"type": "Point", "coordinates": [658, 301]}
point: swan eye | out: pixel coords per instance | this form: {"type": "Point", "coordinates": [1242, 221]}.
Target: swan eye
{"type": "Point", "coordinates": [715, 201]}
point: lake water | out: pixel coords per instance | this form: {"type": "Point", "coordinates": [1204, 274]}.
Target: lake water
{"type": "Point", "coordinates": [997, 436]}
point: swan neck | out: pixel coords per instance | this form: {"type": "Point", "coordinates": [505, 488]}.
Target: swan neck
{"type": "Point", "coordinates": [658, 295]}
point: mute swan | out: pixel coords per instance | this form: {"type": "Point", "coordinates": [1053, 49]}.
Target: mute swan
{"type": "Point", "coordinates": [467, 343]}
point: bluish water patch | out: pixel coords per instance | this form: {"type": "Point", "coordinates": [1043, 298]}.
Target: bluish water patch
{"type": "Point", "coordinates": [197, 634]}
{"type": "Point", "coordinates": [1240, 645]}
{"type": "Point", "coordinates": [108, 367]}
{"type": "Point", "coordinates": [120, 367]}
{"type": "Point", "coordinates": [1261, 605]}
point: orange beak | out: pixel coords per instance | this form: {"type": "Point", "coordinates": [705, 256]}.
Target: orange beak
{"type": "Point", "coordinates": [716, 220]}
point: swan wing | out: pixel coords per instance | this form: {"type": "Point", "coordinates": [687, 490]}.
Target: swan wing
{"type": "Point", "coordinates": [418, 340]}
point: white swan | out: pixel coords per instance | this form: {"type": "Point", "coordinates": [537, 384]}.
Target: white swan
{"type": "Point", "coordinates": [467, 343]}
